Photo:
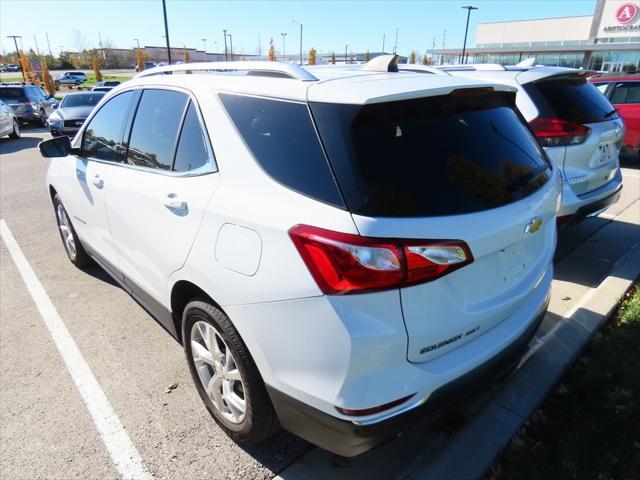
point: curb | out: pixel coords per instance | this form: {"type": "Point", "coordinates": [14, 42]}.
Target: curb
{"type": "Point", "coordinates": [472, 451]}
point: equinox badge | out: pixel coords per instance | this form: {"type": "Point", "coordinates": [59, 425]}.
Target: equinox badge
{"type": "Point", "coordinates": [533, 226]}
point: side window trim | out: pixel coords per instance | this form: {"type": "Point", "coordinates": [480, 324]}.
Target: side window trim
{"type": "Point", "coordinates": [176, 141]}
{"type": "Point", "coordinates": [203, 128]}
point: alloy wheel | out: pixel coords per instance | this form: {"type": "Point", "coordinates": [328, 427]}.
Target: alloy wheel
{"type": "Point", "coordinates": [65, 230]}
{"type": "Point", "coordinates": [218, 372]}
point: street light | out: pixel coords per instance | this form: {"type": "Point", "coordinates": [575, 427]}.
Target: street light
{"type": "Point", "coordinates": [293, 21]}
{"type": "Point", "coordinates": [204, 48]}
{"type": "Point", "coordinates": [230, 46]}
{"type": "Point", "coordinates": [284, 51]}
{"type": "Point", "coordinates": [345, 53]}
{"type": "Point", "coordinates": [15, 42]}
{"type": "Point", "coordinates": [226, 56]}
{"type": "Point", "coordinates": [464, 45]}
{"type": "Point", "coordinates": [137, 41]}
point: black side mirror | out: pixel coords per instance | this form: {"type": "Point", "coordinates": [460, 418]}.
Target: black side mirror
{"type": "Point", "coordinates": [55, 147]}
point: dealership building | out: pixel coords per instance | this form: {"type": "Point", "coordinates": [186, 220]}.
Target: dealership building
{"type": "Point", "coordinates": [608, 40]}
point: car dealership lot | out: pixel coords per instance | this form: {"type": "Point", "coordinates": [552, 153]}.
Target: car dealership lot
{"type": "Point", "coordinates": [46, 431]}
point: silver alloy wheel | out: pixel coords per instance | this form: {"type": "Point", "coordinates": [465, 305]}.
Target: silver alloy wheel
{"type": "Point", "coordinates": [65, 229]}
{"type": "Point", "coordinates": [16, 128]}
{"type": "Point", "coordinates": [218, 372]}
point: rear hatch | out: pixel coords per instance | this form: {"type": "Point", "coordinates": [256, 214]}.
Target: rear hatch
{"type": "Point", "coordinates": [578, 127]}
{"type": "Point", "coordinates": [457, 167]}
{"type": "Point", "coordinates": [16, 98]}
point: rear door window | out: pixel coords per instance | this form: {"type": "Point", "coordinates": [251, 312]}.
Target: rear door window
{"type": "Point", "coordinates": [570, 98]}
{"type": "Point", "coordinates": [193, 152]}
{"type": "Point", "coordinates": [284, 142]}
{"type": "Point", "coordinates": [155, 129]}
{"type": "Point", "coordinates": [431, 156]}
{"type": "Point", "coordinates": [626, 92]}
{"type": "Point", "coordinates": [9, 94]}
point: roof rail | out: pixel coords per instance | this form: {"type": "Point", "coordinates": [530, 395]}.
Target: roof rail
{"type": "Point", "coordinates": [471, 67]}
{"type": "Point", "coordinates": [415, 68]}
{"type": "Point", "coordinates": [266, 68]}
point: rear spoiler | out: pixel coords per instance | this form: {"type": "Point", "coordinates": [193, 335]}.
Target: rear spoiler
{"type": "Point", "coordinates": [553, 73]}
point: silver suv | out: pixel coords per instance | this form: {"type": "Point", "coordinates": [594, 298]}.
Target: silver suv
{"type": "Point", "coordinates": [579, 129]}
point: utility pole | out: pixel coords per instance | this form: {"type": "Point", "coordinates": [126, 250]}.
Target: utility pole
{"type": "Point", "coordinates": [15, 42]}
{"type": "Point", "coordinates": [383, 39]}
{"type": "Point", "coordinates": [395, 47]}
{"type": "Point", "coordinates": [48, 44]}
{"type": "Point", "coordinates": [204, 48]}
{"type": "Point", "coordinates": [284, 51]}
{"type": "Point", "coordinates": [36, 41]}
{"type": "Point", "coordinates": [226, 55]}
{"type": "Point", "coordinates": [444, 37]}
{"type": "Point", "coordinates": [464, 45]}
{"type": "Point", "coordinates": [100, 40]}
{"type": "Point", "coordinates": [433, 47]}
{"type": "Point", "coordinates": [166, 30]}
{"type": "Point", "coordinates": [231, 47]}
{"type": "Point", "coordinates": [345, 53]}
{"type": "Point", "coordinates": [259, 45]}
{"type": "Point", "coordinates": [300, 40]}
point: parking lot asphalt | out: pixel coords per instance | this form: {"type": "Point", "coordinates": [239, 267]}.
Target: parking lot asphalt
{"type": "Point", "coordinates": [45, 428]}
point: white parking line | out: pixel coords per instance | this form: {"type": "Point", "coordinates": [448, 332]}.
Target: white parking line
{"type": "Point", "coordinates": [123, 453]}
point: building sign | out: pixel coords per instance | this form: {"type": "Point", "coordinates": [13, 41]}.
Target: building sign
{"type": "Point", "coordinates": [620, 18]}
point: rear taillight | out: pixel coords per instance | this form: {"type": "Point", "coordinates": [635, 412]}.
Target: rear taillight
{"type": "Point", "coordinates": [554, 132]}
{"type": "Point", "coordinates": [342, 263]}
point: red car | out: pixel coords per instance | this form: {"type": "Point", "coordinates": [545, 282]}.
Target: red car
{"type": "Point", "coordinates": [623, 91]}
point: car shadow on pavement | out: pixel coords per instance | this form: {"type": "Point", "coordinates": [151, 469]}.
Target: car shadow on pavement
{"type": "Point", "coordinates": [9, 145]}
{"type": "Point", "coordinates": [96, 271]}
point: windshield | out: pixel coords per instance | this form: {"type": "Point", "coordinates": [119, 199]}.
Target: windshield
{"type": "Point", "coordinates": [570, 98]}
{"type": "Point", "coordinates": [12, 93]}
{"type": "Point", "coordinates": [82, 100]}
{"type": "Point", "coordinates": [431, 156]}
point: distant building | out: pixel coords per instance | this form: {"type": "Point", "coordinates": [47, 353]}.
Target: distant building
{"type": "Point", "coordinates": [608, 40]}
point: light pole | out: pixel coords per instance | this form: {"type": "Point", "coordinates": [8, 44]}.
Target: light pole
{"type": "Point", "coordinates": [284, 50]}
{"type": "Point", "coordinates": [137, 41]}
{"type": "Point", "coordinates": [444, 37]}
{"type": "Point", "coordinates": [345, 53]}
{"type": "Point", "coordinates": [231, 46]}
{"type": "Point", "coordinates": [395, 46]}
{"type": "Point", "coordinates": [204, 46]}
{"type": "Point", "coordinates": [15, 42]}
{"type": "Point", "coordinates": [226, 56]}
{"type": "Point", "coordinates": [166, 30]}
{"type": "Point", "coordinates": [300, 40]}
{"type": "Point", "coordinates": [383, 39]}
{"type": "Point", "coordinates": [466, 30]}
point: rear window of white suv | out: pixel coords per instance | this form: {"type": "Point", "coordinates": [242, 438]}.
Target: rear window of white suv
{"type": "Point", "coordinates": [431, 156]}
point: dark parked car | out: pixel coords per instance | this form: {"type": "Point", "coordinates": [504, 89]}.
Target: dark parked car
{"type": "Point", "coordinates": [29, 103]}
{"type": "Point", "coordinates": [72, 112]}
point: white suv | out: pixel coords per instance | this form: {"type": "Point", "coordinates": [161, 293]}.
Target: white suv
{"type": "Point", "coordinates": [336, 250]}
{"type": "Point", "coordinates": [577, 126]}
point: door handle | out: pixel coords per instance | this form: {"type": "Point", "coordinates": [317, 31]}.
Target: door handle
{"type": "Point", "coordinates": [172, 201]}
{"type": "Point", "coordinates": [97, 181]}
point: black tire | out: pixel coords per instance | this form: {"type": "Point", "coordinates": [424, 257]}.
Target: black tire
{"type": "Point", "coordinates": [78, 82]}
{"type": "Point", "coordinates": [43, 119]}
{"type": "Point", "coordinates": [16, 130]}
{"type": "Point", "coordinates": [80, 258]}
{"type": "Point", "coordinates": [260, 420]}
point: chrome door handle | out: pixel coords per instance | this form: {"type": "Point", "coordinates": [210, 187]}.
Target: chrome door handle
{"type": "Point", "coordinates": [97, 181]}
{"type": "Point", "coordinates": [172, 201]}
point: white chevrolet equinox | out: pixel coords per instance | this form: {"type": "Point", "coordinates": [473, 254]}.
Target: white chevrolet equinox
{"type": "Point", "coordinates": [337, 251]}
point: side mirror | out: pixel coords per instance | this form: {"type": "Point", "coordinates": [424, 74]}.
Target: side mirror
{"type": "Point", "coordinates": [54, 105]}
{"type": "Point", "coordinates": [55, 147]}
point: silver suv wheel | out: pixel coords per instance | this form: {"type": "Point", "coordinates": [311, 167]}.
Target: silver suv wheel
{"type": "Point", "coordinates": [218, 372]}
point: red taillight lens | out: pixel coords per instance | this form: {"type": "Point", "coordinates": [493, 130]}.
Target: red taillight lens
{"type": "Point", "coordinates": [553, 132]}
{"type": "Point", "coordinates": [342, 263]}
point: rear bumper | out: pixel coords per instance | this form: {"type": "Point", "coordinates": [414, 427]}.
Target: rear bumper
{"type": "Point", "coordinates": [577, 207]}
{"type": "Point", "coordinates": [348, 439]}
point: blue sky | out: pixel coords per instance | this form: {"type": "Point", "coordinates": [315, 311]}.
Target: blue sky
{"type": "Point", "coordinates": [328, 24]}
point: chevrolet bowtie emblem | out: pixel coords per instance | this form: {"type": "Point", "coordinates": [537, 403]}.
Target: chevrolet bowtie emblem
{"type": "Point", "coordinates": [533, 226]}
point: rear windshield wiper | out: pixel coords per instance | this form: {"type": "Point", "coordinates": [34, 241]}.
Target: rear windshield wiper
{"type": "Point", "coordinates": [607, 115]}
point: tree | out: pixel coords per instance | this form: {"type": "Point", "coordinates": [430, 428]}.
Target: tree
{"type": "Point", "coordinates": [412, 57]}
{"type": "Point", "coordinates": [139, 59]}
{"type": "Point", "coordinates": [272, 50]}
{"type": "Point", "coordinates": [367, 56]}
{"type": "Point", "coordinates": [29, 73]}
{"type": "Point", "coordinates": [312, 56]}
{"type": "Point", "coordinates": [95, 64]}
{"type": "Point", "coordinates": [186, 55]}
{"type": "Point", "coordinates": [333, 58]}
{"type": "Point", "coordinates": [425, 60]}
{"type": "Point", "coordinates": [49, 84]}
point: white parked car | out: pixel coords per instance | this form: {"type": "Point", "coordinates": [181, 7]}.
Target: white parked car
{"type": "Point", "coordinates": [577, 126]}
{"type": "Point", "coordinates": [338, 251]}
{"type": "Point", "coordinates": [8, 122]}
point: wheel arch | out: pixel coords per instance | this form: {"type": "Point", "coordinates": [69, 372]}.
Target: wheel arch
{"type": "Point", "coordinates": [183, 292]}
